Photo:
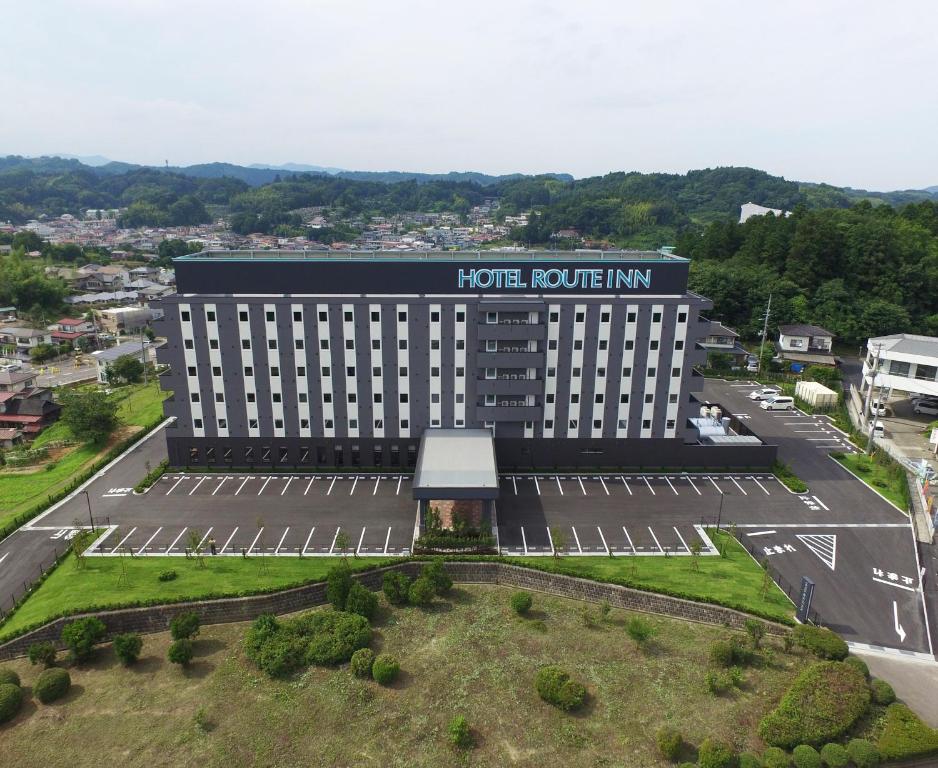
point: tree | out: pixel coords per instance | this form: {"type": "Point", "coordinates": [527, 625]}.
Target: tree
{"type": "Point", "coordinates": [127, 369]}
{"type": "Point", "coordinates": [91, 415]}
{"type": "Point", "coordinates": [756, 631]}
{"type": "Point", "coordinates": [342, 542]}
{"type": "Point", "coordinates": [42, 352]}
{"type": "Point", "coordinates": [640, 631]}
{"type": "Point", "coordinates": [558, 537]}
{"type": "Point", "coordinates": [695, 549]}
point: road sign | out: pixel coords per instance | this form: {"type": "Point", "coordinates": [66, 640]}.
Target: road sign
{"type": "Point", "coordinates": [804, 598]}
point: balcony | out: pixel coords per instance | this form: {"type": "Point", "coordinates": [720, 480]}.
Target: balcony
{"type": "Point", "coordinates": [510, 359]}
{"type": "Point", "coordinates": [512, 332]}
{"type": "Point", "coordinates": [509, 412]}
{"type": "Point", "coordinates": [509, 386]}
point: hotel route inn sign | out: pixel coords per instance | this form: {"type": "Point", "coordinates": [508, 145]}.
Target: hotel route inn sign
{"type": "Point", "coordinates": [540, 279]}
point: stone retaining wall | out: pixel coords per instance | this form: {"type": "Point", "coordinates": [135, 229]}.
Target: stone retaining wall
{"type": "Point", "coordinates": [156, 618]}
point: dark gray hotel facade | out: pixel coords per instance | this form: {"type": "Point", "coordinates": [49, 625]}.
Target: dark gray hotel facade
{"type": "Point", "coordinates": [344, 359]}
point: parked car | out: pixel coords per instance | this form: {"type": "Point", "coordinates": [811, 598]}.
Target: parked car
{"type": "Point", "coordinates": [752, 366]}
{"type": "Point", "coordinates": [926, 407]}
{"type": "Point", "coordinates": [877, 428]}
{"type": "Point", "coordinates": [878, 408]}
{"type": "Point", "coordinates": [779, 403]}
{"type": "Point", "coordinates": [11, 367]}
{"type": "Point", "coordinates": [764, 394]}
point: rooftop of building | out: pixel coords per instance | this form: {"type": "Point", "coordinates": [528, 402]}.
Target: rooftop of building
{"type": "Point", "coordinates": [487, 255]}
{"type": "Point", "coordinates": [801, 329]}
{"type": "Point", "coordinates": [906, 344]}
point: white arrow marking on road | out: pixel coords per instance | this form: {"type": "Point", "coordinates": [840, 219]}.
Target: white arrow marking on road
{"type": "Point", "coordinates": [899, 630]}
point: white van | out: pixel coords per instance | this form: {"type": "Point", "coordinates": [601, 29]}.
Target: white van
{"type": "Point", "coordinates": [878, 429]}
{"type": "Point", "coordinates": [780, 403]}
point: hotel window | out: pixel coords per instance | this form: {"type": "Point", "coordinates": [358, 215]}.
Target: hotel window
{"type": "Point", "coordinates": [551, 372]}
{"type": "Point", "coordinates": [653, 344]}
{"type": "Point", "coordinates": [350, 344]}
{"type": "Point", "coordinates": [629, 344]}
{"type": "Point", "coordinates": [405, 424]}
{"type": "Point", "coordinates": [376, 344]}
{"type": "Point", "coordinates": [194, 396]}
{"type": "Point", "coordinates": [223, 424]}
{"type": "Point", "coordinates": [580, 317]}
{"type": "Point", "coordinates": [245, 343]}
{"type": "Point", "coordinates": [274, 371]}
{"type": "Point", "coordinates": [575, 373]}
{"type": "Point", "coordinates": [377, 455]}
{"type": "Point", "coordinates": [574, 398]}
{"type": "Point", "coordinates": [249, 454]}
{"type": "Point", "coordinates": [377, 397]}
{"type": "Point", "coordinates": [197, 423]}
{"type": "Point", "coordinates": [210, 316]}
{"type": "Point", "coordinates": [460, 372]}
{"type": "Point", "coordinates": [284, 454]}
{"type": "Point", "coordinates": [353, 423]}
{"type": "Point", "coordinates": [604, 317]}
{"type": "Point", "coordinates": [672, 399]}
{"type": "Point", "coordinates": [552, 344]}
{"type": "Point", "coordinates": [402, 344]}
{"type": "Point", "coordinates": [597, 424]}
{"type": "Point", "coordinates": [348, 317]}
{"type": "Point", "coordinates": [213, 343]}
{"type": "Point", "coordinates": [352, 397]}
{"type": "Point", "coordinates": [227, 455]}
{"type": "Point", "coordinates": [191, 370]}
{"type": "Point", "coordinates": [434, 344]}
{"type": "Point", "coordinates": [216, 370]}
{"type": "Point", "coordinates": [376, 372]}
{"type": "Point", "coordinates": [404, 397]}
{"type": "Point", "coordinates": [219, 397]}
{"type": "Point", "coordinates": [682, 317]}
{"type": "Point", "coordinates": [350, 371]}
{"type": "Point", "coordinates": [302, 397]}
{"type": "Point", "coordinates": [277, 397]}
{"type": "Point", "coordinates": [646, 424]}
{"type": "Point", "coordinates": [460, 423]}
{"type": "Point", "coordinates": [252, 424]}
{"type": "Point", "coordinates": [379, 423]}
{"type": "Point", "coordinates": [548, 423]}
{"type": "Point", "coordinates": [243, 317]}
{"type": "Point", "coordinates": [623, 424]}
{"type": "Point", "coordinates": [301, 370]}
{"type": "Point", "coordinates": [434, 317]}
{"type": "Point", "coordinates": [490, 400]}
{"type": "Point", "coordinates": [270, 317]}
{"type": "Point", "coordinates": [194, 455]}
{"type": "Point", "coordinates": [327, 423]}
{"type": "Point", "coordinates": [186, 317]}
{"type": "Point", "coordinates": [460, 398]}
{"type": "Point", "coordinates": [297, 317]}
{"type": "Point", "coordinates": [460, 344]}
{"type": "Point", "coordinates": [327, 397]}
{"type": "Point", "coordinates": [656, 317]}
{"type": "Point", "coordinates": [652, 371]}
{"type": "Point", "coordinates": [554, 317]}
{"type": "Point", "coordinates": [375, 317]}
{"type": "Point", "coordinates": [460, 317]}
{"type": "Point", "coordinates": [627, 371]}
{"type": "Point", "coordinates": [670, 424]}
{"type": "Point", "coordinates": [435, 372]}
{"type": "Point", "coordinates": [324, 344]}
{"type": "Point", "coordinates": [598, 399]}
{"type": "Point", "coordinates": [304, 451]}
{"type": "Point", "coordinates": [434, 422]}
{"type": "Point", "coordinates": [403, 371]}
{"type": "Point", "coordinates": [271, 343]}
{"type": "Point", "coordinates": [298, 344]}
{"type": "Point", "coordinates": [491, 318]}
{"type": "Point", "coordinates": [578, 344]}
{"type": "Point", "coordinates": [323, 317]}
{"type": "Point", "coordinates": [491, 373]}
{"type": "Point", "coordinates": [574, 424]}
{"type": "Point", "coordinates": [679, 344]}
{"type": "Point", "coordinates": [649, 398]}
{"type": "Point", "coordinates": [549, 398]}
{"type": "Point", "coordinates": [623, 398]}
{"type": "Point", "coordinates": [601, 372]}
{"type": "Point", "coordinates": [402, 317]}
{"type": "Point", "coordinates": [251, 397]}
{"type": "Point", "coordinates": [603, 344]}
{"type": "Point", "coordinates": [630, 317]}
{"type": "Point", "coordinates": [188, 344]}
{"type": "Point", "coordinates": [326, 372]}
{"type": "Point", "coordinates": [675, 372]}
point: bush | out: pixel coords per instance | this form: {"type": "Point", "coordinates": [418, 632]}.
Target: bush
{"type": "Point", "coordinates": [882, 692]}
{"type": "Point", "coordinates": [9, 677]}
{"type": "Point", "coordinates": [180, 651]}
{"type": "Point", "coordinates": [756, 631]}
{"type": "Point", "coordinates": [905, 736]}
{"type": "Point", "coordinates": [822, 704]}
{"type": "Point", "coordinates": [436, 573]}
{"type": "Point", "coordinates": [670, 742]}
{"type": "Point", "coordinates": [52, 685]}
{"type": "Point", "coordinates": [362, 601]}
{"type": "Point", "coordinates": [834, 756]}
{"type": "Point", "coordinates": [127, 647]}
{"type": "Point", "coordinates": [821, 642]}
{"type": "Point", "coordinates": [167, 575]}
{"type": "Point", "coordinates": [281, 655]}
{"type": "Point", "coordinates": [730, 652]}
{"type": "Point", "coordinates": [521, 602]}
{"type": "Point", "coordinates": [338, 586]}
{"type": "Point", "coordinates": [459, 733]}
{"type": "Point", "coordinates": [385, 669]}
{"type": "Point", "coordinates": [554, 686]}
{"type": "Point", "coordinates": [421, 592]}
{"type": "Point", "coordinates": [333, 635]}
{"type": "Point", "coordinates": [749, 760]}
{"type": "Point", "coordinates": [362, 661]}
{"type": "Point", "coordinates": [184, 626]}
{"type": "Point", "coordinates": [81, 635]}
{"type": "Point", "coordinates": [42, 653]}
{"type": "Point", "coordinates": [715, 754]}
{"type": "Point", "coordinates": [718, 682]}
{"type": "Point", "coordinates": [805, 756]}
{"type": "Point", "coordinates": [11, 699]}
{"type": "Point", "coordinates": [859, 665]}
{"type": "Point", "coordinates": [639, 630]}
{"type": "Point", "coordinates": [862, 754]}
{"type": "Point", "coordinates": [262, 629]}
{"type": "Point", "coordinates": [774, 757]}
{"type": "Point", "coordinates": [396, 588]}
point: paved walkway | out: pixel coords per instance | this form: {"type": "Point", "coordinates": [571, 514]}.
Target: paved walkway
{"type": "Point", "coordinates": [915, 682]}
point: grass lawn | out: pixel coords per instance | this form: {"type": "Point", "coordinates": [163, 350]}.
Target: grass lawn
{"type": "Point", "coordinates": [886, 480]}
{"type": "Point", "coordinates": [20, 491]}
{"type": "Point", "coordinates": [467, 654]}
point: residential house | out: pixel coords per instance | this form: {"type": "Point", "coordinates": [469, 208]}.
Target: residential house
{"type": "Point", "coordinates": [126, 319]}
{"type": "Point", "coordinates": [10, 437]}
{"type": "Point", "coordinates": [907, 363]}
{"type": "Point", "coordinates": [720, 339]}
{"type": "Point", "coordinates": [24, 406]}
{"type": "Point", "coordinates": [70, 329]}
{"type": "Point", "coordinates": [105, 358]}
{"type": "Point", "coordinates": [19, 341]}
{"type": "Point", "coordinates": [807, 344]}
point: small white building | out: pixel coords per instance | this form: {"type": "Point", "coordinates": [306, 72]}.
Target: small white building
{"type": "Point", "coordinates": [105, 358]}
{"type": "Point", "coordinates": [808, 344]}
{"type": "Point", "coordinates": [748, 210]}
{"type": "Point", "coordinates": [907, 363]}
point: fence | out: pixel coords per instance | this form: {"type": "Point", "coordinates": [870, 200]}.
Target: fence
{"type": "Point", "coordinates": [10, 602]}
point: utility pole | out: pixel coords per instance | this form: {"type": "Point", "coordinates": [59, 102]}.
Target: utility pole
{"type": "Point", "coordinates": [869, 397]}
{"type": "Point", "coordinates": [765, 330]}
{"type": "Point", "coordinates": [143, 355]}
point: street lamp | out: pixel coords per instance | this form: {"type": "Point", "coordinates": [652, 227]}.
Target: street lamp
{"type": "Point", "coordinates": [720, 513]}
{"type": "Point", "coordinates": [90, 518]}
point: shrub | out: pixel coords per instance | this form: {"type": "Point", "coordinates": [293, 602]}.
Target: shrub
{"type": "Point", "coordinates": [338, 586]}
{"type": "Point", "coordinates": [127, 647]}
{"type": "Point", "coordinates": [396, 588]}
{"type": "Point", "coordinates": [859, 665]}
{"type": "Point", "coordinates": [821, 642]}
{"type": "Point", "coordinates": [670, 742]}
{"type": "Point", "coordinates": [756, 631]}
{"type": "Point", "coordinates": [421, 592]}
{"type": "Point", "coordinates": [81, 635]}
{"type": "Point", "coordinates": [834, 756]}
{"type": "Point", "coordinates": [882, 692]}
{"type": "Point", "coordinates": [715, 754]}
{"type": "Point", "coordinates": [737, 678]}
{"type": "Point", "coordinates": [729, 652]}
{"type": "Point", "coordinates": [554, 686]}
{"type": "Point", "coordinates": [11, 699]}
{"type": "Point", "coordinates": [805, 756]}
{"type": "Point", "coordinates": [184, 626]}
{"type": "Point", "coordinates": [862, 754]}
{"type": "Point", "coordinates": [52, 685]}
{"type": "Point", "coordinates": [905, 735]}
{"type": "Point", "coordinates": [718, 682]}
{"type": "Point", "coordinates": [459, 733]}
{"type": "Point", "coordinates": [639, 630]}
{"type": "Point", "coordinates": [281, 655]}
{"type": "Point", "coordinates": [749, 760]}
{"type": "Point", "coordinates": [180, 651]}
{"type": "Point", "coordinates": [167, 575]}
{"type": "Point", "coordinates": [42, 653]}
{"type": "Point", "coordinates": [822, 704]}
{"type": "Point", "coordinates": [9, 677]}
{"type": "Point", "coordinates": [362, 661]}
{"type": "Point", "coordinates": [333, 636]}
{"type": "Point", "coordinates": [262, 628]}
{"type": "Point", "coordinates": [521, 602]}
{"type": "Point", "coordinates": [385, 669]}
{"type": "Point", "coordinates": [362, 601]}
{"type": "Point", "coordinates": [774, 757]}
{"type": "Point", "coordinates": [436, 573]}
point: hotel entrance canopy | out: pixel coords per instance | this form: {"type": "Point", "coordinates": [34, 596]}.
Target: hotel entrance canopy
{"type": "Point", "coordinates": [456, 464]}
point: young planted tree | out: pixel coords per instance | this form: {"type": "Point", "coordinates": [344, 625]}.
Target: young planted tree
{"type": "Point", "coordinates": [342, 542]}
{"type": "Point", "coordinates": [558, 537]}
{"type": "Point", "coordinates": [695, 549]}
{"type": "Point", "coordinates": [194, 546]}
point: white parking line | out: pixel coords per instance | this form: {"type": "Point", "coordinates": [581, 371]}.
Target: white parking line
{"type": "Point", "coordinates": [242, 485]}
{"type": "Point", "coordinates": [629, 540]}
{"type": "Point", "coordinates": [715, 485]}
{"type": "Point", "coordinates": [280, 543]}
{"type": "Point", "coordinates": [387, 539]}
{"type": "Point", "coordinates": [557, 478]}
{"type": "Point", "coordinates": [649, 486]}
{"type": "Point", "coordinates": [605, 545]}
{"type": "Point", "coordinates": [309, 485]}
{"type": "Point", "coordinates": [336, 477]}
{"type": "Point", "coordinates": [218, 487]}
{"type": "Point", "coordinates": [308, 538]}
{"type": "Point", "coordinates": [195, 487]}
{"type": "Point", "coordinates": [5, 555]}
{"type": "Point", "coordinates": [738, 486]}
{"type": "Point", "coordinates": [604, 485]}
{"type": "Point", "coordinates": [167, 551]}
{"type": "Point", "coordinates": [174, 485]}
{"type": "Point", "coordinates": [625, 484]}
{"type": "Point", "coordinates": [222, 550]}
{"type": "Point", "coordinates": [692, 485]}
{"type": "Point", "coordinates": [259, 532]}
{"type": "Point", "coordinates": [683, 543]}
{"type": "Point", "coordinates": [287, 485]}
{"type": "Point", "coordinates": [672, 486]}
{"type": "Point", "coordinates": [206, 536]}
{"type": "Point", "coordinates": [124, 539]}
{"type": "Point", "coordinates": [147, 544]}
{"type": "Point", "coordinates": [514, 482]}
{"type": "Point", "coordinates": [826, 508]}
{"type": "Point", "coordinates": [761, 533]}
{"type": "Point", "coordinates": [332, 546]}
{"type": "Point", "coordinates": [765, 490]}
{"type": "Point", "coordinates": [354, 483]}
{"type": "Point", "coordinates": [577, 539]}
{"type": "Point", "coordinates": [264, 485]}
{"type": "Point", "coordinates": [524, 541]}
{"type": "Point", "coordinates": [537, 485]}
{"type": "Point", "coordinates": [581, 484]}
{"type": "Point", "coordinates": [374, 492]}
{"type": "Point", "coordinates": [360, 540]}
{"type": "Point", "coordinates": [399, 479]}
{"type": "Point", "coordinates": [657, 543]}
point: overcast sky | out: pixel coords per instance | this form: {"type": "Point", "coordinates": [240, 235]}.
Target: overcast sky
{"type": "Point", "coordinates": [822, 90]}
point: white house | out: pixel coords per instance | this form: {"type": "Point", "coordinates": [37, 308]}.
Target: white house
{"type": "Point", "coordinates": [809, 344]}
{"type": "Point", "coordinates": [748, 210]}
{"type": "Point", "coordinates": [105, 358]}
{"type": "Point", "coordinates": [907, 363]}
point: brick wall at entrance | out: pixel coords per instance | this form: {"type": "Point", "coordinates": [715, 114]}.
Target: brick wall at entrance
{"type": "Point", "coordinates": [156, 618]}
